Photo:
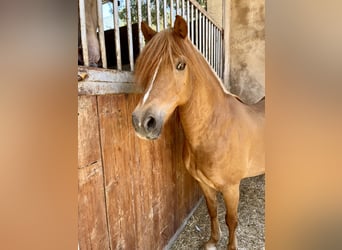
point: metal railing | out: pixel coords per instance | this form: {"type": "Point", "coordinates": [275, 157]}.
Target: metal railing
{"type": "Point", "coordinates": [204, 32]}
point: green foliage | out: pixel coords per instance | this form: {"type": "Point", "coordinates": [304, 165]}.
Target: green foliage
{"type": "Point", "coordinates": [134, 10]}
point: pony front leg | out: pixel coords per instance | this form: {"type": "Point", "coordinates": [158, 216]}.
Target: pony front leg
{"type": "Point", "coordinates": [210, 197]}
{"type": "Point", "coordinates": [231, 198]}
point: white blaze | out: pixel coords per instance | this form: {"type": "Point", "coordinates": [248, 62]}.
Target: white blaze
{"type": "Point", "coordinates": [151, 84]}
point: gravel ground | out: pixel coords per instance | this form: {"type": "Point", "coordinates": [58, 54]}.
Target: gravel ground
{"type": "Point", "coordinates": [250, 232]}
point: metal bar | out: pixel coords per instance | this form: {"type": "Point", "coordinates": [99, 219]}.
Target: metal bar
{"type": "Point", "coordinates": [206, 38]}
{"type": "Point", "coordinates": [148, 5]}
{"type": "Point", "coordinates": [101, 33]}
{"type": "Point", "coordinates": [83, 33]}
{"type": "Point", "coordinates": [164, 10]}
{"type": "Point", "coordinates": [141, 40]}
{"type": "Point", "coordinates": [187, 14]}
{"type": "Point", "coordinates": [177, 7]}
{"type": "Point", "coordinates": [158, 15]}
{"type": "Point", "coordinates": [196, 29]}
{"type": "Point", "coordinates": [129, 35]}
{"type": "Point", "coordinates": [215, 49]}
{"type": "Point", "coordinates": [210, 44]}
{"type": "Point", "coordinates": [222, 54]}
{"type": "Point", "coordinates": [200, 32]}
{"type": "Point", "coordinates": [183, 8]}
{"type": "Point", "coordinates": [192, 22]}
{"type": "Point", "coordinates": [213, 46]}
{"type": "Point", "coordinates": [171, 12]}
{"type": "Point", "coordinates": [219, 53]}
{"type": "Point", "coordinates": [117, 35]}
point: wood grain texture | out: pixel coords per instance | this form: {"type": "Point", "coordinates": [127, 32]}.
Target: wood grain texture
{"type": "Point", "coordinates": [92, 227]}
{"type": "Point", "coordinates": [147, 189]}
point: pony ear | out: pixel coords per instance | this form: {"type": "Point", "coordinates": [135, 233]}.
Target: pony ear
{"type": "Point", "coordinates": [180, 27]}
{"type": "Point", "coordinates": [147, 31]}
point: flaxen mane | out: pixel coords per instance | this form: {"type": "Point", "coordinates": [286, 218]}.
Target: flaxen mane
{"type": "Point", "coordinates": [167, 45]}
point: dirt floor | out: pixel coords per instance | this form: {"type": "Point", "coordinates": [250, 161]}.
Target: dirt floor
{"type": "Point", "coordinates": [250, 232]}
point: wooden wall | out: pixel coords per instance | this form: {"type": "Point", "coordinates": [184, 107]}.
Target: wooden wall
{"type": "Point", "coordinates": [133, 194]}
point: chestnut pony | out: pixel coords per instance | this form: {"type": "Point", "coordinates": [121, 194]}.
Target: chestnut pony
{"type": "Point", "coordinates": [224, 137]}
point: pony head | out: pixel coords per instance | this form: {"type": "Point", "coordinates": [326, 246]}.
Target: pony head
{"type": "Point", "coordinates": [162, 69]}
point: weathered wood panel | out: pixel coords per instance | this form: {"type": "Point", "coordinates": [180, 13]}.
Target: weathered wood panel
{"type": "Point", "coordinates": [103, 81]}
{"type": "Point", "coordinates": [92, 228]}
{"type": "Point", "coordinates": [145, 202]}
{"type": "Point", "coordinates": [133, 193]}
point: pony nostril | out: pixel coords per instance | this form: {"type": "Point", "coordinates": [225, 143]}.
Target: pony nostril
{"type": "Point", "coordinates": [150, 124]}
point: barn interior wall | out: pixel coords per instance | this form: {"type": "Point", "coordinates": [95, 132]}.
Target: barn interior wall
{"type": "Point", "coordinates": [247, 49]}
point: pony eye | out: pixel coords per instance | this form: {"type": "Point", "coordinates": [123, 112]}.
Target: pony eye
{"type": "Point", "coordinates": [181, 66]}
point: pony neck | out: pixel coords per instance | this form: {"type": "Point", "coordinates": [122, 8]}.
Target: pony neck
{"type": "Point", "coordinates": [206, 102]}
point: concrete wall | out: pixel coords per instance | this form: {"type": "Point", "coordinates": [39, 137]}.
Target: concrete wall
{"type": "Point", "coordinates": [247, 49]}
{"type": "Point", "coordinates": [214, 8]}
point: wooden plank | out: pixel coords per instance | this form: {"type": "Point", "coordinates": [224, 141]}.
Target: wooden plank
{"type": "Point", "coordinates": [105, 75]}
{"type": "Point", "coordinates": [143, 172]}
{"type": "Point", "coordinates": [103, 81]}
{"type": "Point", "coordinates": [106, 88]}
{"type": "Point", "coordinates": [92, 226]}
{"type": "Point", "coordinates": [119, 191]}
{"type": "Point", "coordinates": [88, 132]}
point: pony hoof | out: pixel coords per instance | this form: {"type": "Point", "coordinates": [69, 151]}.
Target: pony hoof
{"type": "Point", "coordinates": [232, 247]}
{"type": "Point", "coordinates": [209, 246]}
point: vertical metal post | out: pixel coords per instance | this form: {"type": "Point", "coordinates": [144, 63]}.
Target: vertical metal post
{"type": "Point", "coordinates": [148, 5]}
{"type": "Point", "coordinates": [141, 41]}
{"type": "Point", "coordinates": [101, 33]}
{"type": "Point", "coordinates": [210, 43]}
{"type": "Point", "coordinates": [177, 7]}
{"type": "Point", "coordinates": [192, 22]}
{"type": "Point", "coordinates": [200, 32]}
{"type": "Point", "coordinates": [196, 27]}
{"type": "Point", "coordinates": [117, 35]}
{"type": "Point", "coordinates": [83, 33]}
{"type": "Point", "coordinates": [222, 55]}
{"type": "Point", "coordinates": [164, 11]}
{"type": "Point", "coordinates": [206, 39]}
{"type": "Point", "coordinates": [217, 51]}
{"type": "Point", "coordinates": [158, 15]}
{"type": "Point", "coordinates": [215, 48]}
{"type": "Point", "coordinates": [129, 34]}
{"type": "Point", "coordinates": [171, 12]}
{"type": "Point", "coordinates": [188, 14]}
{"type": "Point", "coordinates": [183, 8]}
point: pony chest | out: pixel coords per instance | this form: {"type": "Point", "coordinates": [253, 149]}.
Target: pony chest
{"type": "Point", "coordinates": [204, 166]}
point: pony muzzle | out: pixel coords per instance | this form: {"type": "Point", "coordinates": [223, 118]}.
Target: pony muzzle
{"type": "Point", "coordinates": [147, 126]}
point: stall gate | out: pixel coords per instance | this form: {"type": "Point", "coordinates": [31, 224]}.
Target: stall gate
{"type": "Point", "coordinates": [204, 32]}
